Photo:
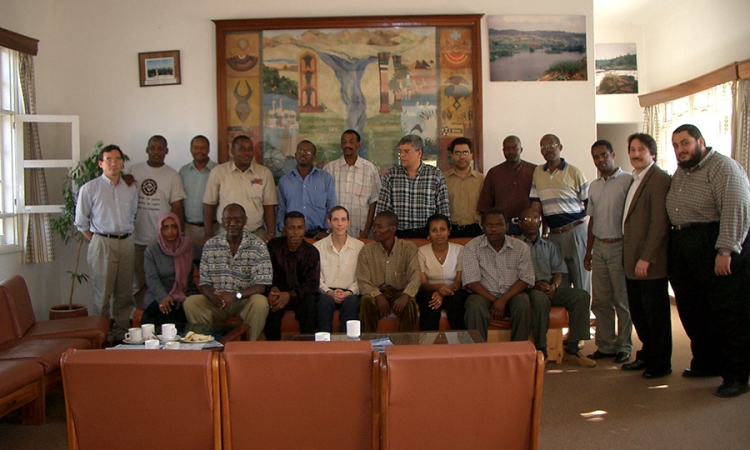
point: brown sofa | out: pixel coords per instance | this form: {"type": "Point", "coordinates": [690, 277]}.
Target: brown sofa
{"type": "Point", "coordinates": [15, 292]}
{"type": "Point", "coordinates": [146, 399]}
{"type": "Point", "coordinates": [22, 387]}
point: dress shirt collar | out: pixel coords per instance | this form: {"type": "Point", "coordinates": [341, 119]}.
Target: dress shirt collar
{"type": "Point", "coordinates": [562, 165]}
{"type": "Point", "coordinates": [486, 243]}
{"type": "Point", "coordinates": [643, 172]}
{"type": "Point", "coordinates": [451, 172]}
{"type": "Point", "coordinates": [617, 173]}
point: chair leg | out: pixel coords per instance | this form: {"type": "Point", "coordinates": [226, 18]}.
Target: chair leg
{"type": "Point", "coordinates": [555, 346]}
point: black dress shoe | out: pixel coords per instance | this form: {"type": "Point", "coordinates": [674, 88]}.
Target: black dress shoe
{"type": "Point", "coordinates": [638, 364]}
{"type": "Point", "coordinates": [692, 373]}
{"type": "Point", "coordinates": [622, 357]}
{"type": "Point", "coordinates": [732, 389]}
{"type": "Point", "coordinates": [601, 355]}
{"type": "Point", "coordinates": [650, 374]}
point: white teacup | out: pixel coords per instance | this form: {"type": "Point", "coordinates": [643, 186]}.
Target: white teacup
{"type": "Point", "coordinates": [352, 328]}
{"type": "Point", "coordinates": [172, 345]}
{"type": "Point", "coordinates": [168, 331]}
{"type": "Point", "coordinates": [152, 344]}
{"type": "Point", "coordinates": [322, 336]}
{"type": "Point", "coordinates": [148, 331]}
{"type": "Point", "coordinates": [134, 335]}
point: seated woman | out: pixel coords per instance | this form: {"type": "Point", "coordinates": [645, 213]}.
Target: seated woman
{"type": "Point", "coordinates": [168, 264]}
{"type": "Point", "coordinates": [441, 263]}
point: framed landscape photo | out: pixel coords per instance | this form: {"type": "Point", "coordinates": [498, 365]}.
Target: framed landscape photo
{"type": "Point", "coordinates": [281, 81]}
{"type": "Point", "coordinates": [159, 68]}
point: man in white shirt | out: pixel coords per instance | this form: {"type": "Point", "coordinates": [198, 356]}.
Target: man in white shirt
{"type": "Point", "coordinates": [357, 184]}
{"type": "Point", "coordinates": [338, 272]}
{"type": "Point", "coordinates": [159, 191]}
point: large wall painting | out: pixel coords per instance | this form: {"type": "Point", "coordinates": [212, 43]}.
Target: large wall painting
{"type": "Point", "coordinates": [281, 81]}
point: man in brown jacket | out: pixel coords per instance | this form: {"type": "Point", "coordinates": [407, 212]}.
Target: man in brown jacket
{"type": "Point", "coordinates": [645, 229]}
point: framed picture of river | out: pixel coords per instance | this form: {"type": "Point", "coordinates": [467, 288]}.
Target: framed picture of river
{"type": "Point", "coordinates": [281, 81]}
{"type": "Point", "coordinates": [616, 69]}
{"type": "Point", "coordinates": [537, 48]}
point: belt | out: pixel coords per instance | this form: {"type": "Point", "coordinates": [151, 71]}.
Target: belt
{"type": "Point", "coordinates": [464, 227]}
{"type": "Point", "coordinates": [197, 224]}
{"type": "Point", "coordinates": [567, 227]}
{"type": "Point", "coordinates": [114, 236]}
{"type": "Point", "coordinates": [685, 226]}
{"type": "Point", "coordinates": [610, 241]}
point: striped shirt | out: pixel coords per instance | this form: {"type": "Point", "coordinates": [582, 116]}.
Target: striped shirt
{"type": "Point", "coordinates": [250, 265]}
{"type": "Point", "coordinates": [497, 271]}
{"type": "Point", "coordinates": [414, 200]}
{"type": "Point", "coordinates": [377, 269]}
{"type": "Point", "coordinates": [563, 193]}
{"type": "Point", "coordinates": [357, 187]}
{"type": "Point", "coordinates": [715, 190]}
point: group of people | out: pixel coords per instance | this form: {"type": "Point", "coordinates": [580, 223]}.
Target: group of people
{"type": "Point", "coordinates": [644, 230]}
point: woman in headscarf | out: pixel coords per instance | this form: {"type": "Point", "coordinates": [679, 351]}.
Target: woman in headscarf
{"type": "Point", "coordinates": [169, 273]}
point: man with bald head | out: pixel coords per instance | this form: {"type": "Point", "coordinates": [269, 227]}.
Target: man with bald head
{"type": "Point", "coordinates": [560, 192]}
{"type": "Point", "coordinates": [507, 185]}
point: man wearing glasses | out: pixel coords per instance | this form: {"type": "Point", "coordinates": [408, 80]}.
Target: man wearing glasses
{"type": "Point", "coordinates": [235, 273]}
{"type": "Point", "coordinates": [105, 214]}
{"type": "Point", "coordinates": [413, 190]}
{"type": "Point", "coordinates": [464, 185]}
{"type": "Point", "coordinates": [559, 193]}
{"type": "Point", "coordinates": [308, 190]}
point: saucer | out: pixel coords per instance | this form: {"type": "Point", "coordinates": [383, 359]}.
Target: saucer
{"type": "Point", "coordinates": [162, 338]}
{"type": "Point", "coordinates": [129, 342]}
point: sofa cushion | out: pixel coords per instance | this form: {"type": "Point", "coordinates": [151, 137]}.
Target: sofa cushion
{"type": "Point", "coordinates": [93, 328]}
{"type": "Point", "coordinates": [46, 352]}
{"type": "Point", "coordinates": [17, 373]}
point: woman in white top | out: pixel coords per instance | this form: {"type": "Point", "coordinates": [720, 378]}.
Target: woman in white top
{"type": "Point", "coordinates": [441, 263]}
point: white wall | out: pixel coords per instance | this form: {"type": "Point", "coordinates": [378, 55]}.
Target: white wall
{"type": "Point", "coordinates": [696, 38]}
{"type": "Point", "coordinates": [87, 66]}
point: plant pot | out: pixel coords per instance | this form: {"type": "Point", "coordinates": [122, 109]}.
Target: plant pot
{"type": "Point", "coordinates": [68, 312]}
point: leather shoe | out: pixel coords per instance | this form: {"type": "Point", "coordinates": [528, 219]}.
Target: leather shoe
{"type": "Point", "coordinates": [650, 374]}
{"type": "Point", "coordinates": [732, 389]}
{"type": "Point", "coordinates": [692, 373]}
{"type": "Point", "coordinates": [637, 364]}
{"type": "Point", "coordinates": [622, 357]}
{"type": "Point", "coordinates": [601, 355]}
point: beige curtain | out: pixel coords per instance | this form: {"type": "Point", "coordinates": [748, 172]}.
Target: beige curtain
{"type": "Point", "coordinates": [39, 245]}
{"type": "Point", "coordinates": [741, 123]}
{"type": "Point", "coordinates": [653, 120]}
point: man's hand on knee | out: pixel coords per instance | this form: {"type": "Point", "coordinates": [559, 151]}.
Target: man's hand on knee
{"type": "Point", "coordinates": [400, 303]}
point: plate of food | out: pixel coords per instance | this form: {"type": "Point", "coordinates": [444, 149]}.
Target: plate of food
{"type": "Point", "coordinates": [192, 337]}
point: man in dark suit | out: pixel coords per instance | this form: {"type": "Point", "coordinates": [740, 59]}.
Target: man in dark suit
{"type": "Point", "coordinates": [645, 230]}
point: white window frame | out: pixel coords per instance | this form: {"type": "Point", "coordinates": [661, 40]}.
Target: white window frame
{"type": "Point", "coordinates": [11, 221]}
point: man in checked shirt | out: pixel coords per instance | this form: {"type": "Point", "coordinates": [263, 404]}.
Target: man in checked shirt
{"type": "Point", "coordinates": [709, 259]}
{"type": "Point", "coordinates": [413, 190]}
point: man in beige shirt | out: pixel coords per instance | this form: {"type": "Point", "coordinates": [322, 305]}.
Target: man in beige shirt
{"type": "Point", "coordinates": [245, 182]}
{"type": "Point", "coordinates": [389, 276]}
{"type": "Point", "coordinates": [464, 186]}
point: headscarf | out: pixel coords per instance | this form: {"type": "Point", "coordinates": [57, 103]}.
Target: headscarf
{"type": "Point", "coordinates": [181, 249]}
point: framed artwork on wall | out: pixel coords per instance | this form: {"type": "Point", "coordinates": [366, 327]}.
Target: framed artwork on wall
{"type": "Point", "coordinates": [159, 68]}
{"type": "Point", "coordinates": [281, 81]}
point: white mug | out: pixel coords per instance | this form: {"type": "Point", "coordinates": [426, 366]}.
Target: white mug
{"type": "Point", "coordinates": [352, 328]}
{"type": "Point", "coordinates": [152, 344]}
{"type": "Point", "coordinates": [148, 331]}
{"type": "Point", "coordinates": [172, 345]}
{"type": "Point", "coordinates": [134, 335]}
{"type": "Point", "coordinates": [322, 336]}
{"type": "Point", "coordinates": [168, 331]}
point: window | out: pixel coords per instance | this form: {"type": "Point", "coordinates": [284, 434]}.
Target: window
{"type": "Point", "coordinates": [10, 104]}
{"type": "Point", "coordinates": [709, 110]}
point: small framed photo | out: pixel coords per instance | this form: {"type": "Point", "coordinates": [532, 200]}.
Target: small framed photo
{"type": "Point", "coordinates": [159, 68]}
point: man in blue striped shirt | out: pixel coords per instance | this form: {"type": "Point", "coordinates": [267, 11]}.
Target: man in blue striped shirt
{"type": "Point", "coordinates": [559, 192]}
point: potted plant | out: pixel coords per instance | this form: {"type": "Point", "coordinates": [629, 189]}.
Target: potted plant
{"type": "Point", "coordinates": [86, 170]}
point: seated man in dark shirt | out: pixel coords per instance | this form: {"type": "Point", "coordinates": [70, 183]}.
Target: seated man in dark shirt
{"type": "Point", "coordinates": [296, 277]}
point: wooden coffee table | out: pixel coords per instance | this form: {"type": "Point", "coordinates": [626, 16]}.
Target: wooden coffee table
{"type": "Point", "coordinates": [404, 337]}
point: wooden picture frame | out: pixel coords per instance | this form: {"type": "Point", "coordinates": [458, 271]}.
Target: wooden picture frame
{"type": "Point", "coordinates": [159, 68]}
{"type": "Point", "coordinates": [281, 81]}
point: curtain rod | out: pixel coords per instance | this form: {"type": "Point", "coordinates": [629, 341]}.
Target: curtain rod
{"type": "Point", "coordinates": [18, 42]}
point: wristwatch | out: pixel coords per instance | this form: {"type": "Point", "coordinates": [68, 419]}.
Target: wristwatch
{"type": "Point", "coordinates": [238, 295]}
{"type": "Point", "coordinates": [723, 253]}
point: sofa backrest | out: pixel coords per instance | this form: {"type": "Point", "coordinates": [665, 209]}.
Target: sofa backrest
{"type": "Point", "coordinates": [324, 394]}
{"type": "Point", "coordinates": [151, 399]}
{"type": "Point", "coordinates": [461, 396]}
{"type": "Point", "coordinates": [7, 323]}
{"type": "Point", "coordinates": [17, 293]}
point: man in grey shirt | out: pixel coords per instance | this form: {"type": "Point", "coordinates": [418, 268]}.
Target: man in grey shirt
{"type": "Point", "coordinates": [105, 214]}
{"type": "Point", "coordinates": [709, 259]}
{"type": "Point", "coordinates": [194, 178]}
{"type": "Point", "coordinates": [604, 256]}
